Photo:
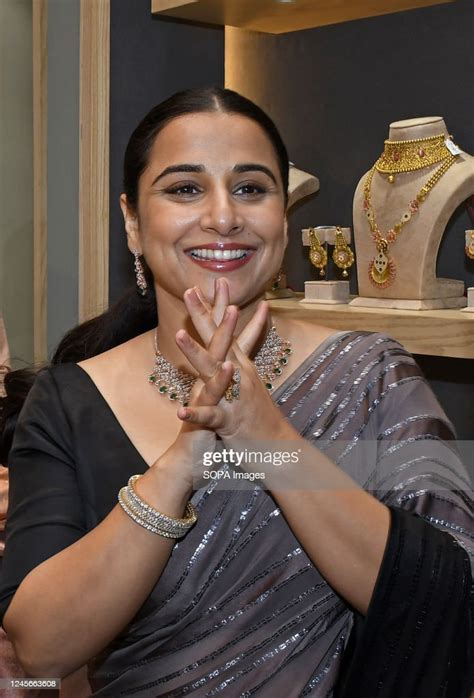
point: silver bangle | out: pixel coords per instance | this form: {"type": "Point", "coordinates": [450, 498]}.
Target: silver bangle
{"type": "Point", "coordinates": [151, 519]}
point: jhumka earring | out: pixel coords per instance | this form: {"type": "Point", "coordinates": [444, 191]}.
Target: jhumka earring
{"type": "Point", "coordinates": [139, 273]}
{"type": "Point", "coordinates": [342, 256]}
{"type": "Point", "coordinates": [317, 254]}
{"type": "Point", "coordinates": [469, 248]}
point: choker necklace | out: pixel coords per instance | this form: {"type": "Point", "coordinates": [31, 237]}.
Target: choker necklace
{"type": "Point", "coordinates": [270, 360]}
{"type": "Point", "coordinates": [382, 268]}
{"type": "Point", "coordinates": [408, 156]}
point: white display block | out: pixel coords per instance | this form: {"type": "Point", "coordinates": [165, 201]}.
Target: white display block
{"type": "Point", "coordinates": [470, 301]}
{"type": "Point", "coordinates": [325, 233]}
{"type": "Point", "coordinates": [329, 292]}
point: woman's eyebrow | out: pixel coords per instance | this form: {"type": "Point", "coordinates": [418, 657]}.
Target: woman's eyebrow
{"type": "Point", "coordinates": [178, 168]}
{"type": "Point", "coordinates": [255, 167]}
{"type": "Point", "coordinates": [244, 167]}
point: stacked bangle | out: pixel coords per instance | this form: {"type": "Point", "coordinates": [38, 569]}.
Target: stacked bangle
{"type": "Point", "coordinates": [151, 519]}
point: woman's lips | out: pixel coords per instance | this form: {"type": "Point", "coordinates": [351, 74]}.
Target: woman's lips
{"type": "Point", "coordinates": [220, 256]}
{"type": "Point", "coordinates": [222, 264]}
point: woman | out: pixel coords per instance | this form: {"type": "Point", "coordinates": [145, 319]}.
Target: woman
{"type": "Point", "coordinates": [325, 589]}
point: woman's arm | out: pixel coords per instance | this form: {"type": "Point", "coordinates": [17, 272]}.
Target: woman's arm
{"type": "Point", "coordinates": [342, 528]}
{"type": "Point", "coordinates": [73, 604]}
{"type": "Point", "coordinates": [82, 590]}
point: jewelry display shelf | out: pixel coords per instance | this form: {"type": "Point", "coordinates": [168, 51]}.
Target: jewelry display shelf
{"type": "Point", "coordinates": [280, 16]}
{"type": "Point", "coordinates": [432, 332]}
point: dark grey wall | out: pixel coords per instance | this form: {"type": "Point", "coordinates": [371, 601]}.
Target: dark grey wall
{"type": "Point", "coordinates": [150, 58]}
{"type": "Point", "coordinates": [333, 92]}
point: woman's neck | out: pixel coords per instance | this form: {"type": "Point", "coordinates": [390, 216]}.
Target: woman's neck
{"type": "Point", "coordinates": [412, 129]}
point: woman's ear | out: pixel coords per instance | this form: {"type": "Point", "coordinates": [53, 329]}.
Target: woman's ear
{"type": "Point", "coordinates": [131, 225]}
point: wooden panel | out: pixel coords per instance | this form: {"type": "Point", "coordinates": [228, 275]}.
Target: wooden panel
{"type": "Point", "coordinates": [94, 158]}
{"type": "Point", "coordinates": [40, 115]}
{"type": "Point", "coordinates": [280, 16]}
{"type": "Point", "coordinates": [432, 332]}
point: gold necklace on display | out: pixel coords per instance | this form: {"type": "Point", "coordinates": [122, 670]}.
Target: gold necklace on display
{"type": "Point", "coordinates": [408, 156]}
{"type": "Point", "coordinates": [382, 269]}
{"type": "Point", "coordinates": [270, 361]}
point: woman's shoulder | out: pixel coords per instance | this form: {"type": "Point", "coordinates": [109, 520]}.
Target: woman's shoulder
{"type": "Point", "coordinates": [119, 359]}
{"type": "Point", "coordinates": [308, 336]}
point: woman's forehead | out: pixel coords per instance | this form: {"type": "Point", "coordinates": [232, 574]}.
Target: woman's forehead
{"type": "Point", "coordinates": [208, 135]}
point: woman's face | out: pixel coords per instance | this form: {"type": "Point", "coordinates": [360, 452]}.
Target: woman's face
{"type": "Point", "coordinates": [211, 204]}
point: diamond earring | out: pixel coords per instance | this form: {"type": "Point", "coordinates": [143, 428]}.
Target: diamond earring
{"type": "Point", "coordinates": [139, 273]}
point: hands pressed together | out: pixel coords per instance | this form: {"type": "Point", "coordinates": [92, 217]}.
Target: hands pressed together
{"type": "Point", "coordinates": [253, 415]}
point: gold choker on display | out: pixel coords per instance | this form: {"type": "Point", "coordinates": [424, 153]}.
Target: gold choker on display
{"type": "Point", "coordinates": [270, 361]}
{"type": "Point", "coordinates": [382, 268]}
{"type": "Point", "coordinates": [399, 157]}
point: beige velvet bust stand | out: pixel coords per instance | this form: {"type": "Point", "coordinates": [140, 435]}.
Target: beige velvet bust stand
{"type": "Point", "coordinates": [300, 185]}
{"type": "Point", "coordinates": [415, 250]}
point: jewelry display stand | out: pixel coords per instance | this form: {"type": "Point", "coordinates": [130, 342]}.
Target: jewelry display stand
{"type": "Point", "coordinates": [414, 251]}
{"type": "Point", "coordinates": [327, 292]}
{"type": "Point", "coordinates": [300, 185]}
{"type": "Point", "coordinates": [470, 301]}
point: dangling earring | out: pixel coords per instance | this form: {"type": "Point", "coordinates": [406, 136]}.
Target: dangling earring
{"type": "Point", "coordinates": [139, 273]}
{"type": "Point", "coordinates": [276, 279]}
{"type": "Point", "coordinates": [317, 254]}
{"type": "Point", "coordinates": [469, 248]}
{"type": "Point", "coordinates": [342, 255]}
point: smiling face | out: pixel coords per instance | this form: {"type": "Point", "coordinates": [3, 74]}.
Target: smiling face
{"type": "Point", "coordinates": [210, 204]}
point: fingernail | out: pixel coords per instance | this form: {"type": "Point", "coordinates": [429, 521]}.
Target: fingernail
{"type": "Point", "coordinates": [193, 296]}
{"type": "Point", "coordinates": [185, 414]}
{"type": "Point", "coordinates": [199, 295]}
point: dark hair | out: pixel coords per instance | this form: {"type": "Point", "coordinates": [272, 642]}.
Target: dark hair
{"type": "Point", "coordinates": [133, 314]}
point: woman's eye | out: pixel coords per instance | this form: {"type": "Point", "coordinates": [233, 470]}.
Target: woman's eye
{"type": "Point", "coordinates": [183, 190]}
{"type": "Point", "coordinates": [251, 189]}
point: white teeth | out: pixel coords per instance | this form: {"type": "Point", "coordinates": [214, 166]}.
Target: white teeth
{"type": "Point", "coordinates": [219, 254]}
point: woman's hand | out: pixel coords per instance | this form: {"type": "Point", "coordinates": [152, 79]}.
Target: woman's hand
{"type": "Point", "coordinates": [254, 415]}
{"type": "Point", "coordinates": [215, 373]}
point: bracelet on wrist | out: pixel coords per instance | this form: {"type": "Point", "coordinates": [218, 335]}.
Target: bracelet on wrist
{"type": "Point", "coordinates": [150, 518]}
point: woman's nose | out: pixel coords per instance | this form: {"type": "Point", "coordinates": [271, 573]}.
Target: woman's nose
{"type": "Point", "coordinates": [221, 214]}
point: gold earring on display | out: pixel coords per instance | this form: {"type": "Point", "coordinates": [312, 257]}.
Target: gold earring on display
{"type": "Point", "coordinates": [317, 254]}
{"type": "Point", "coordinates": [276, 279]}
{"type": "Point", "coordinates": [139, 273]}
{"type": "Point", "coordinates": [469, 248]}
{"type": "Point", "coordinates": [343, 256]}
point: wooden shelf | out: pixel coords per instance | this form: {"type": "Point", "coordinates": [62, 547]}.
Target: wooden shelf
{"type": "Point", "coordinates": [280, 16]}
{"type": "Point", "coordinates": [432, 332]}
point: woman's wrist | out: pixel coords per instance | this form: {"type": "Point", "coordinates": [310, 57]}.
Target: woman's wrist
{"type": "Point", "coordinates": [163, 488]}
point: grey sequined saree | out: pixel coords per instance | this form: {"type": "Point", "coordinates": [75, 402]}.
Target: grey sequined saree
{"type": "Point", "coordinates": [240, 610]}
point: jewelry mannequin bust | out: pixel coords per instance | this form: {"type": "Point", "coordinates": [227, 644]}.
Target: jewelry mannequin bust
{"type": "Point", "coordinates": [300, 184]}
{"type": "Point", "coordinates": [414, 252]}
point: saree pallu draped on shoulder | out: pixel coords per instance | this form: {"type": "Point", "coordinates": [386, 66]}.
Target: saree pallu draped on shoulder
{"type": "Point", "coordinates": [240, 609]}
